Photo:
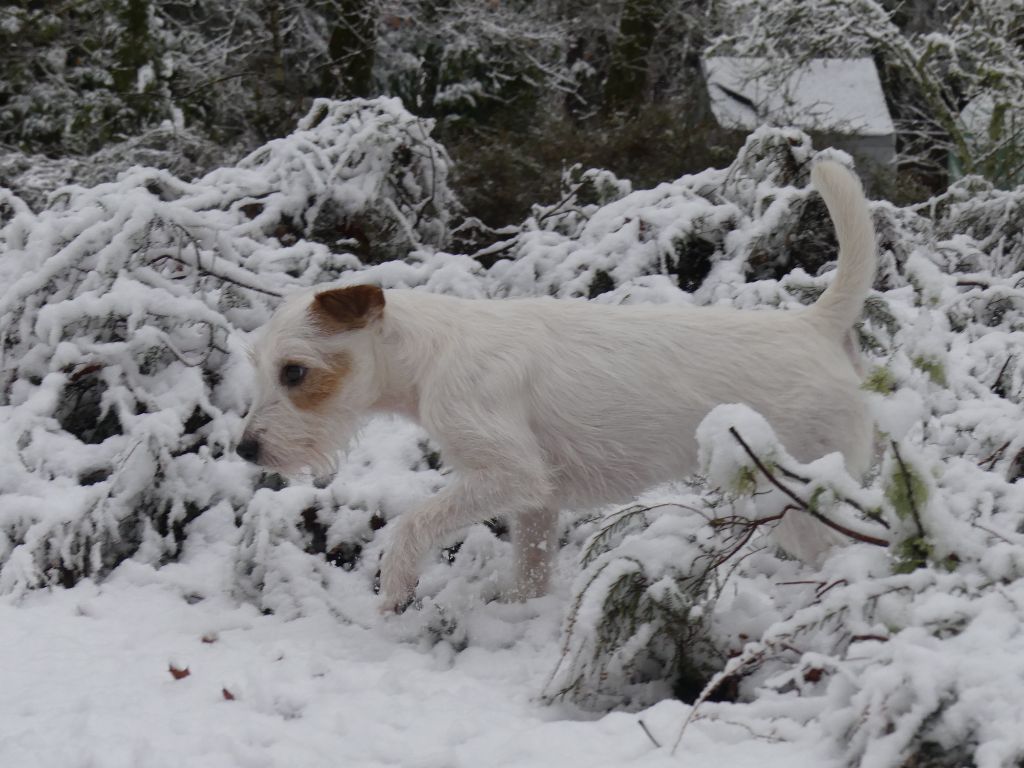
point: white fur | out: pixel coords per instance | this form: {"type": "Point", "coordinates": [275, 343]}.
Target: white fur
{"type": "Point", "coordinates": [540, 404]}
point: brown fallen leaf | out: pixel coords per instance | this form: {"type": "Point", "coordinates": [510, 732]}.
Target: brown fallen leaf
{"type": "Point", "coordinates": [177, 673]}
{"type": "Point", "coordinates": [209, 638]}
{"type": "Point", "coordinates": [228, 695]}
{"type": "Point", "coordinates": [813, 674]}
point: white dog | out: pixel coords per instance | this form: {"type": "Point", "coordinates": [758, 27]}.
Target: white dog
{"type": "Point", "coordinates": [539, 404]}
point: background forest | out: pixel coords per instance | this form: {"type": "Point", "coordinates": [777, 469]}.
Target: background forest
{"type": "Point", "coordinates": [518, 90]}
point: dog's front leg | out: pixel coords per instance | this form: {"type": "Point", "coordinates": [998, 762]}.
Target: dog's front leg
{"type": "Point", "coordinates": [473, 496]}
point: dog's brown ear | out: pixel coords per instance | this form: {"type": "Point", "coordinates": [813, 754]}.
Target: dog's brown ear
{"type": "Point", "coordinates": [346, 309]}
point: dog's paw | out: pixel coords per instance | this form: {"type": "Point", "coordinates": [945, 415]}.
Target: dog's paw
{"type": "Point", "coordinates": [388, 607]}
{"type": "Point", "coordinates": [393, 603]}
{"type": "Point", "coordinates": [388, 604]}
{"type": "Point", "coordinates": [396, 588]}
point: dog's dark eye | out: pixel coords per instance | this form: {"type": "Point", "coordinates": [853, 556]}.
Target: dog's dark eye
{"type": "Point", "coordinates": [292, 374]}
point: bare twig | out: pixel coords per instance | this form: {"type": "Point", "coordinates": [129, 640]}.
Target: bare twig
{"type": "Point", "coordinates": [733, 667]}
{"type": "Point", "coordinates": [803, 504]}
{"type": "Point", "coordinates": [650, 735]}
{"type": "Point", "coordinates": [996, 385]}
{"type": "Point", "coordinates": [843, 498]}
{"type": "Point", "coordinates": [993, 457]}
{"type": "Point", "coordinates": [989, 531]}
{"type": "Point", "coordinates": [749, 527]}
{"type": "Point", "coordinates": [563, 201]}
{"type": "Point", "coordinates": [821, 590]}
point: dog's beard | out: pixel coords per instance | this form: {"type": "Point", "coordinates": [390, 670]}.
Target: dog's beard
{"type": "Point", "coordinates": [299, 459]}
{"type": "Point", "coordinates": [293, 442]}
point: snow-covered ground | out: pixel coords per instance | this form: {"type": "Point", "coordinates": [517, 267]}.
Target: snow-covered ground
{"type": "Point", "coordinates": [87, 682]}
{"type": "Point", "coordinates": [134, 543]}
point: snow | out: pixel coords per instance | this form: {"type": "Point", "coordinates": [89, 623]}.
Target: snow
{"type": "Point", "coordinates": [90, 684]}
{"type": "Point", "coordinates": [126, 311]}
{"type": "Point", "coordinates": [722, 458]}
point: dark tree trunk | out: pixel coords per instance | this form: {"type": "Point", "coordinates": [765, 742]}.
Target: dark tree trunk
{"type": "Point", "coordinates": [134, 50]}
{"type": "Point", "coordinates": [352, 49]}
{"type": "Point", "coordinates": [626, 87]}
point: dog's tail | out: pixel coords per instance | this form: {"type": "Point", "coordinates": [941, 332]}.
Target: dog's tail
{"type": "Point", "coordinates": [841, 303]}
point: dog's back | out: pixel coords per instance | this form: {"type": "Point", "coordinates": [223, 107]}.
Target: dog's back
{"type": "Point", "coordinates": [615, 394]}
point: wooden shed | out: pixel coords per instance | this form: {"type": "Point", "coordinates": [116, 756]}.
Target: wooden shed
{"type": "Point", "coordinates": [839, 102]}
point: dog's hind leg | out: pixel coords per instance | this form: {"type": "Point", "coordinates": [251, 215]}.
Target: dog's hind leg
{"type": "Point", "coordinates": [535, 541]}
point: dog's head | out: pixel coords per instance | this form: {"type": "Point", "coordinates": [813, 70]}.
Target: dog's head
{"type": "Point", "coordinates": [315, 378]}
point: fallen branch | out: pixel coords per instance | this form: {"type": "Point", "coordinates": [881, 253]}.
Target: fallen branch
{"type": "Point", "coordinates": [205, 272]}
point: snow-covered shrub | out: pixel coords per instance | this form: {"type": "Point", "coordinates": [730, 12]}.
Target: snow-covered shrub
{"type": "Point", "coordinates": [705, 234]}
{"type": "Point", "coordinates": [900, 653]}
{"type": "Point", "coordinates": [121, 378]}
{"type": "Point", "coordinates": [636, 631]}
{"type": "Point", "coordinates": [888, 648]}
{"type": "Point", "coordinates": [183, 152]}
{"type": "Point", "coordinates": [115, 342]}
{"type": "Point", "coordinates": [893, 649]}
{"type": "Point", "coordinates": [650, 614]}
{"type": "Point", "coordinates": [363, 175]}
{"type": "Point", "coordinates": [991, 217]}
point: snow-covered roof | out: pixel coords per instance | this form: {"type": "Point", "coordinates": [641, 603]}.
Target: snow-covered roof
{"type": "Point", "coordinates": [833, 95]}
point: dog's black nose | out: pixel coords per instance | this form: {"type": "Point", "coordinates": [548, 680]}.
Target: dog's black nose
{"type": "Point", "coordinates": [249, 449]}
